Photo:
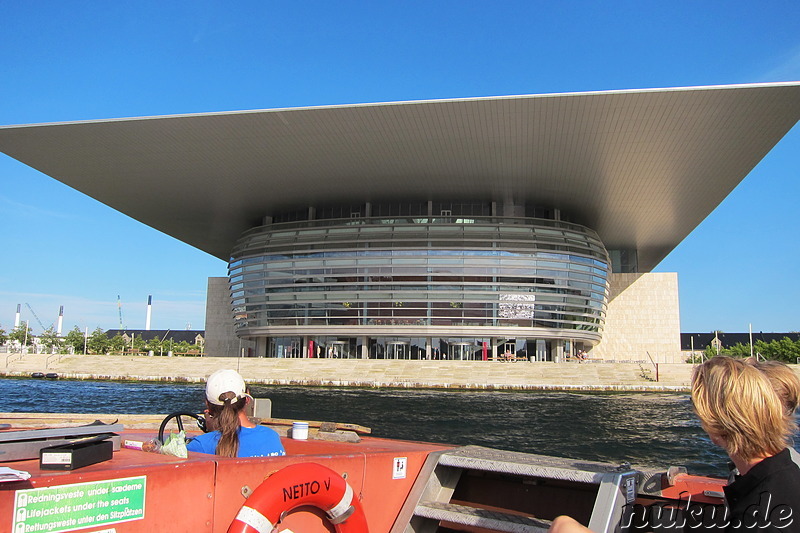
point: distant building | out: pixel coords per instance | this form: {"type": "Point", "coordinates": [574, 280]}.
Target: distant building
{"type": "Point", "coordinates": [192, 336]}
{"type": "Point", "coordinates": [454, 229]}
{"type": "Point", "coordinates": [699, 341]}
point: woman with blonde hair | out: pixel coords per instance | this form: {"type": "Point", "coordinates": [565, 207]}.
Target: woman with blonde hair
{"type": "Point", "coordinates": [233, 434]}
{"type": "Point", "coordinates": [748, 410]}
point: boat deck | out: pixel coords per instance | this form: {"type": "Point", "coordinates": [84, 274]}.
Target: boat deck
{"type": "Point", "coordinates": [137, 491]}
{"type": "Point", "coordinates": [399, 486]}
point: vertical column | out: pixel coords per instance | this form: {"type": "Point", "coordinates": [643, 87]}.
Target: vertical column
{"type": "Point", "coordinates": [364, 347]}
{"type": "Point", "coordinates": [149, 312]}
{"type": "Point", "coordinates": [558, 350]}
{"type": "Point", "coordinates": [60, 320]}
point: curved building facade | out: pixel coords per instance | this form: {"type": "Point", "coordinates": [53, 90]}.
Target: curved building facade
{"type": "Point", "coordinates": [423, 280]}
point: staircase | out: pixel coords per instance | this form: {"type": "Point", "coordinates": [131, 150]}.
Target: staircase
{"type": "Point", "coordinates": [479, 375]}
{"type": "Point", "coordinates": [646, 372]}
{"type": "Point", "coordinates": [482, 489]}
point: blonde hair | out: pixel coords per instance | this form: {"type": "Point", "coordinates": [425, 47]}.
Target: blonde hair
{"type": "Point", "coordinates": [784, 382]}
{"type": "Point", "coordinates": [736, 402]}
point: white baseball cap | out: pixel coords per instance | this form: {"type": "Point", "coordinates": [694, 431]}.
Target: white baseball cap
{"type": "Point", "coordinates": [223, 381]}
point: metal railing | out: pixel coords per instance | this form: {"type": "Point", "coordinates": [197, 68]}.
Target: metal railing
{"type": "Point", "coordinates": [12, 357]}
{"type": "Point", "coordinates": [56, 356]}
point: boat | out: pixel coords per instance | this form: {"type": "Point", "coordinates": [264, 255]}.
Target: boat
{"type": "Point", "coordinates": [340, 478]}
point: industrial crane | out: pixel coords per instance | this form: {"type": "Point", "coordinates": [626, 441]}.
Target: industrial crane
{"type": "Point", "coordinates": [119, 306]}
{"type": "Point", "coordinates": [36, 316]}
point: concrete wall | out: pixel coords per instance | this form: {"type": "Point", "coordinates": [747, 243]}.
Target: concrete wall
{"type": "Point", "coordinates": [221, 341]}
{"type": "Point", "coordinates": [477, 375]}
{"type": "Point", "coordinates": [643, 317]}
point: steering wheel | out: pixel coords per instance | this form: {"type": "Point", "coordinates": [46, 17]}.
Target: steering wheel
{"type": "Point", "coordinates": [201, 422]}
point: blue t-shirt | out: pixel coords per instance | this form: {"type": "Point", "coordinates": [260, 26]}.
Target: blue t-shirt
{"type": "Point", "coordinates": [259, 441]}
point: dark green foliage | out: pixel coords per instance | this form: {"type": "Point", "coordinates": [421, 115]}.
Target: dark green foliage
{"type": "Point", "coordinates": [76, 339]}
{"type": "Point", "coordinates": [22, 334]}
{"type": "Point", "coordinates": [49, 339]}
{"type": "Point", "coordinates": [785, 350]}
{"type": "Point", "coordinates": [98, 342]}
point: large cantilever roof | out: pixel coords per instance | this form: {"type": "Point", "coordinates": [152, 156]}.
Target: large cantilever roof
{"type": "Point", "coordinates": [642, 167]}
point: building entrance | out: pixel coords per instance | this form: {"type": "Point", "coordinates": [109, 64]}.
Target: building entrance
{"type": "Point", "coordinates": [397, 350]}
{"type": "Point", "coordinates": [338, 349]}
{"type": "Point", "coordinates": [288, 347]}
{"type": "Point", "coordinates": [460, 351]}
{"type": "Point", "coordinates": [541, 350]}
{"type": "Point", "coordinates": [511, 350]}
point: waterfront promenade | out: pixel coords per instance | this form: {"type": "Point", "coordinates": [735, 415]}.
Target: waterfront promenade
{"type": "Point", "coordinates": [491, 375]}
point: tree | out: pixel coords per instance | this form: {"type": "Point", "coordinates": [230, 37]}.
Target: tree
{"type": "Point", "coordinates": [98, 342]}
{"type": "Point", "coordinates": [710, 352]}
{"type": "Point", "coordinates": [154, 344]}
{"type": "Point", "coordinates": [3, 336]}
{"type": "Point", "coordinates": [50, 339]}
{"type": "Point", "coordinates": [76, 339]}
{"type": "Point", "coordinates": [183, 347]}
{"type": "Point", "coordinates": [22, 334]}
{"type": "Point", "coordinates": [785, 350]}
{"type": "Point", "coordinates": [139, 344]}
{"type": "Point", "coordinates": [117, 343]}
{"type": "Point", "coordinates": [696, 358]}
{"type": "Point", "coordinates": [738, 350]}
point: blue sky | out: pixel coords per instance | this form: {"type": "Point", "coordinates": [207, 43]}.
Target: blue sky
{"type": "Point", "coordinates": [64, 61]}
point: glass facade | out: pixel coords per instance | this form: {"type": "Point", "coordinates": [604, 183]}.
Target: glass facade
{"type": "Point", "coordinates": [404, 285]}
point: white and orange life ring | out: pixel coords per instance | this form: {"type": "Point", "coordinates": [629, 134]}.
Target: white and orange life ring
{"type": "Point", "coordinates": [296, 485]}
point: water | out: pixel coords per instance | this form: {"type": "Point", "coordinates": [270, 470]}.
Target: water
{"type": "Point", "coordinates": [649, 430]}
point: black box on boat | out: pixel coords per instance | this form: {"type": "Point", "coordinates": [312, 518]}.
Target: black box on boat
{"type": "Point", "coordinates": [23, 444]}
{"type": "Point", "coordinates": [75, 455]}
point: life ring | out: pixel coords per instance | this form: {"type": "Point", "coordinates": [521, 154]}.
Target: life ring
{"type": "Point", "coordinates": [297, 485]}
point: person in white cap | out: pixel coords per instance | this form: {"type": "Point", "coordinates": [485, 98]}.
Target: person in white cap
{"type": "Point", "coordinates": [233, 435]}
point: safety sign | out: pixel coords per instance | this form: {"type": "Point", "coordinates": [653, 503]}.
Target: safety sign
{"type": "Point", "coordinates": [79, 505]}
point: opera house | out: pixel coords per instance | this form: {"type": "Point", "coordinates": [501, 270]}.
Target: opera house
{"type": "Point", "coordinates": [480, 228]}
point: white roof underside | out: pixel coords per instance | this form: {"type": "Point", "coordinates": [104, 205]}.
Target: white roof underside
{"type": "Point", "coordinates": [643, 168]}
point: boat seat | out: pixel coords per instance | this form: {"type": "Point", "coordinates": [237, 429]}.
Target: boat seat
{"type": "Point", "coordinates": [430, 502]}
{"type": "Point", "coordinates": [483, 518]}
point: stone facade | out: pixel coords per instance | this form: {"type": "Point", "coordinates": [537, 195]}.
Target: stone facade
{"type": "Point", "coordinates": [221, 340]}
{"type": "Point", "coordinates": [643, 318]}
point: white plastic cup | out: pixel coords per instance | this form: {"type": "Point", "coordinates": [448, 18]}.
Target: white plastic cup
{"type": "Point", "coordinates": [300, 430]}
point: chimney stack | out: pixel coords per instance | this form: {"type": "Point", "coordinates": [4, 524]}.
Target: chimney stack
{"type": "Point", "coordinates": [60, 320]}
{"type": "Point", "coordinates": [149, 312]}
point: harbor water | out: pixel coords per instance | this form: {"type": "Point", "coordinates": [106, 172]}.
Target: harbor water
{"type": "Point", "coordinates": [648, 430]}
